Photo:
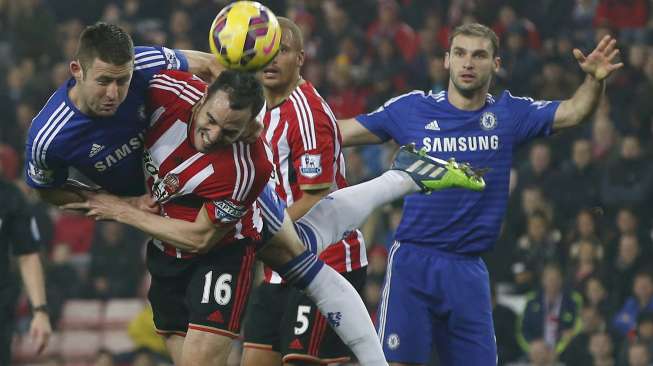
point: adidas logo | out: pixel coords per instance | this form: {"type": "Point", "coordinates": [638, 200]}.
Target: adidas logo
{"type": "Point", "coordinates": [433, 126]}
{"type": "Point", "coordinates": [95, 149]}
{"type": "Point", "coordinates": [216, 317]}
{"type": "Point", "coordinates": [296, 344]}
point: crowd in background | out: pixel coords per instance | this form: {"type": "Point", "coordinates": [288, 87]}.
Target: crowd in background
{"type": "Point", "coordinates": [580, 216]}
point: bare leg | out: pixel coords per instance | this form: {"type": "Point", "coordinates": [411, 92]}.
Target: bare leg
{"type": "Point", "coordinates": [204, 348]}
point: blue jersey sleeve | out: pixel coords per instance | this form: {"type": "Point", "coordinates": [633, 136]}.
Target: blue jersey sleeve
{"type": "Point", "coordinates": [385, 122]}
{"type": "Point", "coordinates": [532, 118]}
{"type": "Point", "coordinates": [150, 60]}
{"type": "Point", "coordinates": [43, 169]}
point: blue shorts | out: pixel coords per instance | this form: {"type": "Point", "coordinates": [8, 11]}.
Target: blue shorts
{"type": "Point", "coordinates": [436, 298]}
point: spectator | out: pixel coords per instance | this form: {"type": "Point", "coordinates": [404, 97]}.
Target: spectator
{"type": "Point", "coordinates": [629, 261]}
{"type": "Point", "coordinates": [643, 336]}
{"type": "Point", "coordinates": [585, 259]}
{"type": "Point", "coordinates": [624, 321]}
{"type": "Point", "coordinates": [388, 24]}
{"type": "Point", "coordinates": [629, 179]}
{"type": "Point", "coordinates": [504, 320]}
{"type": "Point", "coordinates": [539, 170]}
{"type": "Point", "coordinates": [596, 296]}
{"type": "Point", "coordinates": [639, 355]}
{"type": "Point", "coordinates": [578, 351]}
{"type": "Point", "coordinates": [585, 228]}
{"type": "Point", "coordinates": [602, 349]}
{"type": "Point", "coordinates": [578, 176]}
{"type": "Point", "coordinates": [552, 313]}
{"type": "Point", "coordinates": [539, 245]}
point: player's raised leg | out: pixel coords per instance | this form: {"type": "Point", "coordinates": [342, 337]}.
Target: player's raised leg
{"type": "Point", "coordinates": [347, 208]}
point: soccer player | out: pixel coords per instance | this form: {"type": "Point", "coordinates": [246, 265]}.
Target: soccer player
{"type": "Point", "coordinates": [436, 289]}
{"type": "Point", "coordinates": [94, 123]}
{"type": "Point", "coordinates": [282, 324]}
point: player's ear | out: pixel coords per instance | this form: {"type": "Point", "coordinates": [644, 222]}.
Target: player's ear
{"type": "Point", "coordinates": [300, 58]}
{"type": "Point", "coordinates": [76, 69]}
{"type": "Point", "coordinates": [446, 60]}
{"type": "Point", "coordinates": [497, 64]}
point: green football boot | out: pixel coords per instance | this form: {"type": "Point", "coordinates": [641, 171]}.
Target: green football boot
{"type": "Point", "coordinates": [433, 174]}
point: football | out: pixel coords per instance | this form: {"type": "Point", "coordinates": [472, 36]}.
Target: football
{"type": "Point", "coordinates": [245, 35]}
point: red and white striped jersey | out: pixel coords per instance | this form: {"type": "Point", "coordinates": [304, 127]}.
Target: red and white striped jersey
{"type": "Point", "coordinates": [226, 181]}
{"type": "Point", "coordinates": [305, 140]}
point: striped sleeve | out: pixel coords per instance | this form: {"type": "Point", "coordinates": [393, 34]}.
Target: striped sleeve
{"type": "Point", "coordinates": [43, 166]}
{"type": "Point", "coordinates": [241, 175]}
{"type": "Point", "coordinates": [148, 61]}
{"type": "Point", "coordinates": [313, 139]}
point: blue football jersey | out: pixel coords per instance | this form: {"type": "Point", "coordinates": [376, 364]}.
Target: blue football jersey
{"type": "Point", "coordinates": [458, 220]}
{"type": "Point", "coordinates": [108, 151]}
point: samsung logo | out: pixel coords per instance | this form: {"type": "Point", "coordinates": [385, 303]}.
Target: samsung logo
{"type": "Point", "coordinates": [134, 144]}
{"type": "Point", "coordinates": [461, 144]}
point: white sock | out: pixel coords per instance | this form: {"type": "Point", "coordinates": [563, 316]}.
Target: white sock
{"type": "Point", "coordinates": [339, 302]}
{"type": "Point", "coordinates": [347, 208]}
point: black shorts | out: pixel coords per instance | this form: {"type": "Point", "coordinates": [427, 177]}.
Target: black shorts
{"type": "Point", "coordinates": [207, 293]}
{"type": "Point", "coordinates": [281, 318]}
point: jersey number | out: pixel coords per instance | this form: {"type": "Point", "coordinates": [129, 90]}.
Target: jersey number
{"type": "Point", "coordinates": [221, 291]}
{"type": "Point", "coordinates": [302, 319]}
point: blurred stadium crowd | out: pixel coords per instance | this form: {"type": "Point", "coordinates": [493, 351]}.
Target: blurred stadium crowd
{"type": "Point", "coordinates": [580, 214]}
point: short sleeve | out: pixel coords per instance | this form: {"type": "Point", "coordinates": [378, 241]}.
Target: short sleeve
{"type": "Point", "coordinates": [21, 227]}
{"type": "Point", "coordinates": [385, 121]}
{"type": "Point", "coordinates": [533, 118]}
{"type": "Point", "coordinates": [150, 60]}
{"type": "Point", "coordinates": [312, 150]}
{"type": "Point", "coordinates": [44, 169]}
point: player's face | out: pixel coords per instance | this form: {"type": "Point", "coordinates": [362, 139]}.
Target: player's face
{"type": "Point", "coordinates": [216, 125]}
{"type": "Point", "coordinates": [471, 64]}
{"type": "Point", "coordinates": [102, 86]}
{"type": "Point", "coordinates": [283, 71]}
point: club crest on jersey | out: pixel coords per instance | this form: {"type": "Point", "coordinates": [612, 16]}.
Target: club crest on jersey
{"type": "Point", "coordinates": [228, 212]}
{"type": "Point", "coordinates": [311, 165]}
{"type": "Point", "coordinates": [167, 187]}
{"type": "Point", "coordinates": [488, 121]}
{"type": "Point", "coordinates": [141, 112]}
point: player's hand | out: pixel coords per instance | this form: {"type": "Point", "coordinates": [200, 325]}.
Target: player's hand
{"type": "Point", "coordinates": [145, 203]}
{"type": "Point", "coordinates": [599, 63]}
{"type": "Point", "coordinates": [40, 331]}
{"type": "Point", "coordinates": [101, 206]}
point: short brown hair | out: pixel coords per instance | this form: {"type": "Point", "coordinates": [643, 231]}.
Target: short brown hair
{"type": "Point", "coordinates": [108, 42]}
{"type": "Point", "coordinates": [288, 25]}
{"type": "Point", "coordinates": [476, 30]}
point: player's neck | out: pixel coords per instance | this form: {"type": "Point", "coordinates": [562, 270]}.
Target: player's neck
{"type": "Point", "coordinates": [73, 95]}
{"type": "Point", "coordinates": [471, 102]}
{"type": "Point", "coordinates": [274, 97]}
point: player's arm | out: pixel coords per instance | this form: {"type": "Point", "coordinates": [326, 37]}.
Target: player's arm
{"type": "Point", "coordinates": [203, 64]}
{"type": "Point", "coordinates": [59, 196]}
{"type": "Point", "coordinates": [354, 133]}
{"type": "Point", "coordinates": [309, 198]}
{"type": "Point", "coordinates": [23, 232]}
{"type": "Point", "coordinates": [31, 272]}
{"type": "Point", "coordinates": [597, 65]}
{"type": "Point", "coordinates": [198, 236]}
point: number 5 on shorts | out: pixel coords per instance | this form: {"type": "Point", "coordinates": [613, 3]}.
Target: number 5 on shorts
{"type": "Point", "coordinates": [221, 291]}
{"type": "Point", "coordinates": [302, 319]}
